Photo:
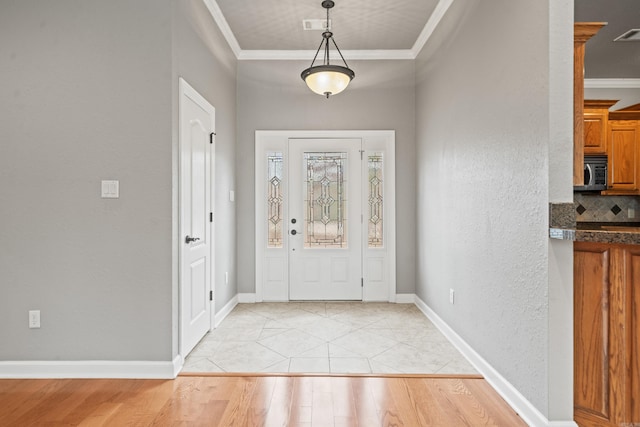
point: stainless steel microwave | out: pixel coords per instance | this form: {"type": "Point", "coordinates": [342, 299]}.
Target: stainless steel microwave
{"type": "Point", "coordinates": [595, 174]}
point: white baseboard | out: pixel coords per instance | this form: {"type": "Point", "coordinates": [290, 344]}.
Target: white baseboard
{"type": "Point", "coordinates": [529, 413]}
{"type": "Point", "coordinates": [224, 312]}
{"type": "Point", "coordinates": [178, 364]}
{"type": "Point", "coordinates": [91, 369]}
{"type": "Point", "coordinates": [400, 299]}
{"type": "Point", "coordinates": [405, 298]}
{"type": "Point", "coordinates": [246, 298]}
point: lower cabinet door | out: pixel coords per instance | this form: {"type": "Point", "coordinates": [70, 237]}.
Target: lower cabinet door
{"type": "Point", "coordinates": [606, 334]}
{"type": "Point", "coordinates": [591, 393]}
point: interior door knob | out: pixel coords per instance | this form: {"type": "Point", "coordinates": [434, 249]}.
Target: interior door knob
{"type": "Point", "coordinates": [190, 239]}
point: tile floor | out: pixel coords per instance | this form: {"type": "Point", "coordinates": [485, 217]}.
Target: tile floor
{"type": "Point", "coordinates": [327, 337]}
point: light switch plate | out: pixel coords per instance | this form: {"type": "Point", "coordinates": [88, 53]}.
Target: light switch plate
{"type": "Point", "coordinates": [34, 319]}
{"type": "Point", "coordinates": [232, 196]}
{"type": "Point", "coordinates": [110, 189]}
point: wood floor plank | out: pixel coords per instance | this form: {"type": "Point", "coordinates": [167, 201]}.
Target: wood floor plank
{"type": "Point", "coordinates": [428, 409]}
{"type": "Point", "coordinates": [322, 403]}
{"type": "Point", "coordinates": [141, 403]}
{"type": "Point", "coordinates": [261, 401]}
{"type": "Point", "coordinates": [301, 400]}
{"type": "Point", "coordinates": [281, 402]}
{"type": "Point", "coordinates": [344, 407]}
{"type": "Point", "coordinates": [236, 412]}
{"type": "Point", "coordinates": [500, 412]}
{"type": "Point", "coordinates": [391, 400]}
{"type": "Point", "coordinates": [255, 401]}
{"type": "Point", "coordinates": [462, 402]}
{"type": "Point", "coordinates": [366, 408]}
{"type": "Point", "coordinates": [53, 405]}
{"type": "Point", "coordinates": [19, 396]}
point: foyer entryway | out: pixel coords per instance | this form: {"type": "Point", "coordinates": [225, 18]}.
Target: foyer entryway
{"type": "Point", "coordinates": [327, 337]}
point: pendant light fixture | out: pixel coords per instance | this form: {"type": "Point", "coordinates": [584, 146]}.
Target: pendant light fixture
{"type": "Point", "coordinates": [327, 79]}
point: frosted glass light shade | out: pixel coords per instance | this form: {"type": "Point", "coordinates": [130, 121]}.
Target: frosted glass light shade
{"type": "Point", "coordinates": [327, 79]}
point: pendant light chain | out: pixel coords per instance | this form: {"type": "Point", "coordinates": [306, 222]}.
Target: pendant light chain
{"type": "Point", "coordinates": [326, 40]}
{"type": "Point", "coordinates": [326, 24]}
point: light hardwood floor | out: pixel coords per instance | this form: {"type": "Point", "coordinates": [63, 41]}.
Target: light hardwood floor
{"type": "Point", "coordinates": [256, 401]}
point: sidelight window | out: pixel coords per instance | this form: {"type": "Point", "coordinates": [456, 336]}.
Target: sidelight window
{"type": "Point", "coordinates": [274, 200]}
{"type": "Point", "coordinates": [376, 200]}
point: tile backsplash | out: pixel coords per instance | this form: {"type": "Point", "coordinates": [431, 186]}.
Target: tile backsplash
{"type": "Point", "coordinates": [596, 208]}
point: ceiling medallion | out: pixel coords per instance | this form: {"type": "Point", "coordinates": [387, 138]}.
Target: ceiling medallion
{"type": "Point", "coordinates": [327, 79]}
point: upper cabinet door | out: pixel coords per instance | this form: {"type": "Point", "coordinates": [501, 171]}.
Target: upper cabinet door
{"type": "Point", "coordinates": [595, 132]}
{"type": "Point", "coordinates": [596, 118]}
{"type": "Point", "coordinates": [624, 145]}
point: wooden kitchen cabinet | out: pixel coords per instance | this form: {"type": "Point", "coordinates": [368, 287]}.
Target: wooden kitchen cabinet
{"type": "Point", "coordinates": [606, 334]}
{"type": "Point", "coordinates": [596, 119]}
{"type": "Point", "coordinates": [624, 153]}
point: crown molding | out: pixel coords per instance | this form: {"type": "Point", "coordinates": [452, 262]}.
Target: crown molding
{"type": "Point", "coordinates": [215, 11]}
{"type": "Point", "coordinates": [435, 18]}
{"type": "Point", "coordinates": [612, 83]}
{"type": "Point", "coordinates": [307, 55]}
{"type": "Point", "coordinates": [393, 54]}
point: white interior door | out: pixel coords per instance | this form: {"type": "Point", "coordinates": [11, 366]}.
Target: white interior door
{"type": "Point", "coordinates": [325, 229]}
{"type": "Point", "coordinates": [197, 119]}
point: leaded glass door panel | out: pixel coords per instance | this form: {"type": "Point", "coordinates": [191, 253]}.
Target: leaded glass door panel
{"type": "Point", "coordinates": [325, 208]}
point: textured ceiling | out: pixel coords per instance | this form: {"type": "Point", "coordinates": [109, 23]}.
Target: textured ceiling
{"type": "Point", "coordinates": [356, 24]}
{"type": "Point", "coordinates": [364, 25]}
{"type": "Point", "coordinates": [605, 58]}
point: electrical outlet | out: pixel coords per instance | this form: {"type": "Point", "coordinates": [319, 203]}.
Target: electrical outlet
{"type": "Point", "coordinates": [631, 213]}
{"type": "Point", "coordinates": [34, 319]}
{"type": "Point", "coordinates": [451, 295]}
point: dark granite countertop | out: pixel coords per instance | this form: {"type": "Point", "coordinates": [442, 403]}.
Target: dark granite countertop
{"type": "Point", "coordinates": [607, 232]}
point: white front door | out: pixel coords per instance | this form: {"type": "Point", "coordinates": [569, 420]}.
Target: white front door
{"type": "Point", "coordinates": [325, 219]}
{"type": "Point", "coordinates": [197, 120]}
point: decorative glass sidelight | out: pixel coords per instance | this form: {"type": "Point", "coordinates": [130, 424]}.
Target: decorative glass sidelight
{"type": "Point", "coordinates": [274, 200]}
{"type": "Point", "coordinates": [325, 204]}
{"type": "Point", "coordinates": [376, 200]}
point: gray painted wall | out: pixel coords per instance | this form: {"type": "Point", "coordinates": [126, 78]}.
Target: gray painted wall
{"type": "Point", "coordinates": [90, 92]}
{"type": "Point", "coordinates": [271, 96]}
{"type": "Point", "coordinates": [483, 146]}
{"type": "Point", "coordinates": [84, 96]}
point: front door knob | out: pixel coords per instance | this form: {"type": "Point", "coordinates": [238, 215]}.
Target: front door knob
{"type": "Point", "coordinates": [190, 239]}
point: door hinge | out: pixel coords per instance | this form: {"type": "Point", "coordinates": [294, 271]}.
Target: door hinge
{"type": "Point", "coordinates": [210, 216]}
{"type": "Point", "coordinates": [210, 295]}
{"type": "Point", "coordinates": [211, 135]}
{"type": "Point", "coordinates": [361, 154]}
{"type": "Point", "coordinates": [362, 282]}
